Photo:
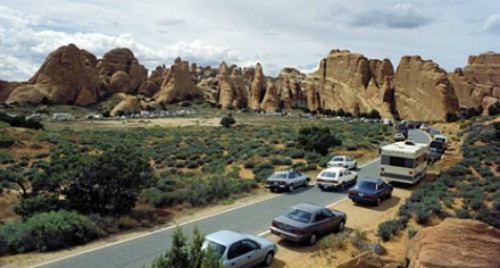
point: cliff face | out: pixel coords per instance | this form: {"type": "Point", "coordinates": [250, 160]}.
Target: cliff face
{"type": "Point", "coordinates": [177, 84]}
{"type": "Point", "coordinates": [67, 76]}
{"type": "Point", "coordinates": [478, 84]}
{"type": "Point", "coordinates": [289, 88]}
{"type": "Point", "coordinates": [423, 90]}
{"type": "Point", "coordinates": [351, 82]}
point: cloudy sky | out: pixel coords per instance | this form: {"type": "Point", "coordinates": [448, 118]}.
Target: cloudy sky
{"type": "Point", "coordinates": [276, 33]}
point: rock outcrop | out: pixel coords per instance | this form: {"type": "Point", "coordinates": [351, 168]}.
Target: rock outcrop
{"type": "Point", "coordinates": [455, 243]}
{"type": "Point", "coordinates": [352, 82]}
{"type": "Point", "coordinates": [67, 76]}
{"type": "Point", "coordinates": [367, 259]}
{"type": "Point", "coordinates": [478, 84]}
{"type": "Point", "coordinates": [423, 90]}
{"type": "Point", "coordinates": [257, 88]}
{"type": "Point", "coordinates": [177, 84]}
{"type": "Point", "coordinates": [123, 70]}
{"type": "Point", "coordinates": [290, 90]}
{"type": "Point", "coordinates": [6, 88]}
{"type": "Point", "coordinates": [270, 103]}
{"type": "Point", "coordinates": [232, 89]}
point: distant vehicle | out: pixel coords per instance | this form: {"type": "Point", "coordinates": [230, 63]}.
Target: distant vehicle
{"type": "Point", "coordinates": [62, 117]}
{"type": "Point", "coordinates": [370, 190]}
{"type": "Point", "coordinates": [403, 162]}
{"type": "Point", "coordinates": [443, 139]}
{"type": "Point", "coordinates": [306, 222]}
{"type": "Point", "coordinates": [336, 178]}
{"type": "Point", "coordinates": [434, 132]}
{"type": "Point", "coordinates": [342, 161]}
{"type": "Point", "coordinates": [404, 131]}
{"type": "Point", "coordinates": [424, 127]}
{"type": "Point", "coordinates": [438, 145]}
{"type": "Point", "coordinates": [433, 155]}
{"type": "Point", "coordinates": [399, 136]}
{"type": "Point", "coordinates": [287, 180]}
{"type": "Point", "coordinates": [240, 250]}
{"type": "Point", "coordinates": [387, 121]}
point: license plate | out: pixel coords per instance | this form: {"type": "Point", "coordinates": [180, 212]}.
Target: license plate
{"type": "Point", "coordinates": [360, 194]}
{"type": "Point", "coordinates": [275, 183]}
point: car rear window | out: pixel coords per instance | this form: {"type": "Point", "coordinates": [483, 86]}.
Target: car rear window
{"type": "Point", "coordinates": [298, 215]}
{"type": "Point", "coordinates": [367, 185]}
{"type": "Point", "coordinates": [216, 247]}
{"type": "Point", "coordinates": [278, 176]}
{"type": "Point", "coordinates": [328, 174]}
{"type": "Point", "coordinates": [338, 159]}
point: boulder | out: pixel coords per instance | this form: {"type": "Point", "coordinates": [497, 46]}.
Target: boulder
{"type": "Point", "coordinates": [367, 259]}
{"type": "Point", "coordinates": [129, 105]}
{"type": "Point", "coordinates": [177, 84]}
{"type": "Point", "coordinates": [270, 103]}
{"type": "Point", "coordinates": [66, 77]}
{"type": "Point", "coordinates": [257, 88]}
{"type": "Point", "coordinates": [455, 243]}
{"type": "Point", "coordinates": [423, 90]}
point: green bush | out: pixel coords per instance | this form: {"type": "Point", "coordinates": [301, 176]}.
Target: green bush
{"type": "Point", "coordinates": [387, 229]}
{"type": "Point", "coordinates": [7, 141]}
{"type": "Point", "coordinates": [47, 231]}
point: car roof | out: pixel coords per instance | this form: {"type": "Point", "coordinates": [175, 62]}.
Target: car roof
{"type": "Point", "coordinates": [440, 136]}
{"type": "Point", "coordinates": [334, 169]}
{"type": "Point", "coordinates": [225, 237]}
{"type": "Point", "coordinates": [374, 180]}
{"type": "Point", "coordinates": [309, 207]}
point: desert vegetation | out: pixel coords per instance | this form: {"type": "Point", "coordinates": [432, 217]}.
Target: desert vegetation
{"type": "Point", "coordinates": [77, 183]}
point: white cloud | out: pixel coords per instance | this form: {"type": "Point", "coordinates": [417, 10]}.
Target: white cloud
{"type": "Point", "coordinates": [492, 24]}
{"type": "Point", "coordinates": [404, 15]}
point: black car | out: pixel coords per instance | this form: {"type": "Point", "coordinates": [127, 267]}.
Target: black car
{"type": "Point", "coordinates": [370, 190]}
{"type": "Point", "coordinates": [438, 145]}
{"type": "Point", "coordinates": [433, 155]}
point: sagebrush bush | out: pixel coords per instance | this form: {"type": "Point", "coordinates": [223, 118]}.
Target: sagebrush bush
{"type": "Point", "coordinates": [387, 229]}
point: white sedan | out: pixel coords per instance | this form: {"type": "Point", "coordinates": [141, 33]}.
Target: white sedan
{"type": "Point", "coordinates": [342, 161]}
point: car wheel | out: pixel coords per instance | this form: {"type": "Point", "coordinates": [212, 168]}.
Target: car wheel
{"type": "Point", "coordinates": [321, 188]}
{"type": "Point", "coordinates": [355, 166]}
{"type": "Point", "coordinates": [290, 188]}
{"type": "Point", "coordinates": [269, 259]}
{"type": "Point", "coordinates": [312, 239]}
{"type": "Point", "coordinates": [341, 226]}
{"type": "Point", "coordinates": [389, 195]}
{"type": "Point", "coordinates": [306, 183]}
{"type": "Point", "coordinates": [378, 201]}
{"type": "Point", "coordinates": [342, 187]}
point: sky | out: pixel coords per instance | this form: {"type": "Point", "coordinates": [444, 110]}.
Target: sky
{"type": "Point", "coordinates": [276, 33]}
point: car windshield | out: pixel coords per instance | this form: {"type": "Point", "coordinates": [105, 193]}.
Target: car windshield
{"type": "Point", "coordinates": [337, 159]}
{"type": "Point", "coordinates": [367, 185]}
{"type": "Point", "coordinates": [328, 174]}
{"type": "Point", "coordinates": [434, 150]}
{"type": "Point", "coordinates": [278, 176]}
{"type": "Point", "coordinates": [216, 247]}
{"type": "Point", "coordinates": [440, 139]}
{"type": "Point", "coordinates": [298, 215]}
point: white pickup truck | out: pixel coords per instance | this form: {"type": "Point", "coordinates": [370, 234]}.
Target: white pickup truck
{"type": "Point", "coordinates": [335, 178]}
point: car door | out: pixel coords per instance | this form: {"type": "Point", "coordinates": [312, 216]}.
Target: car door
{"type": "Point", "coordinates": [242, 254]}
{"type": "Point", "coordinates": [332, 220]}
{"type": "Point", "coordinates": [321, 222]}
{"type": "Point", "coordinates": [381, 189]}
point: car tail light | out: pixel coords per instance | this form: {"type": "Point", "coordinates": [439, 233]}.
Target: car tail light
{"type": "Point", "coordinates": [351, 193]}
{"type": "Point", "coordinates": [274, 224]}
{"type": "Point", "coordinates": [411, 172]}
{"type": "Point", "coordinates": [382, 169]}
{"type": "Point", "coordinates": [282, 183]}
{"type": "Point", "coordinates": [297, 231]}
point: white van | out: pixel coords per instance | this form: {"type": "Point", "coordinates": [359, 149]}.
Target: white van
{"type": "Point", "coordinates": [404, 162]}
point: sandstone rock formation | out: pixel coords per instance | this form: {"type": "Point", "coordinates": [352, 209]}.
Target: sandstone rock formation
{"type": "Point", "coordinates": [290, 90]}
{"type": "Point", "coordinates": [66, 77]}
{"type": "Point", "coordinates": [270, 103]}
{"type": "Point", "coordinates": [455, 243]}
{"type": "Point", "coordinates": [478, 84]}
{"type": "Point", "coordinates": [232, 89]}
{"type": "Point", "coordinates": [177, 84]}
{"type": "Point", "coordinates": [6, 88]}
{"type": "Point", "coordinates": [352, 82]}
{"type": "Point", "coordinates": [129, 105]}
{"type": "Point", "coordinates": [257, 88]}
{"type": "Point", "coordinates": [423, 90]}
{"type": "Point", "coordinates": [124, 71]}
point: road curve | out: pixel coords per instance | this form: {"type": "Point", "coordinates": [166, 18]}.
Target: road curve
{"type": "Point", "coordinates": [254, 218]}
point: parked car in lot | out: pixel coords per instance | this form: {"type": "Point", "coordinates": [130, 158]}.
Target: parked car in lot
{"type": "Point", "coordinates": [336, 178]}
{"type": "Point", "coordinates": [424, 127]}
{"type": "Point", "coordinates": [240, 250]}
{"type": "Point", "coordinates": [434, 132]}
{"type": "Point", "coordinates": [305, 222]}
{"type": "Point", "coordinates": [287, 180]}
{"type": "Point", "coordinates": [342, 161]}
{"type": "Point", "coordinates": [399, 136]}
{"type": "Point", "coordinates": [371, 190]}
{"type": "Point", "coordinates": [439, 145]}
{"type": "Point", "coordinates": [443, 139]}
{"type": "Point", "coordinates": [433, 155]}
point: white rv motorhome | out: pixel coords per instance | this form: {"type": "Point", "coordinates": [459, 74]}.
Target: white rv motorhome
{"type": "Point", "coordinates": [403, 162]}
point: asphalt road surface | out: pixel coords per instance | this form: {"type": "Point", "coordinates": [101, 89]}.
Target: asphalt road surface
{"type": "Point", "coordinates": [253, 218]}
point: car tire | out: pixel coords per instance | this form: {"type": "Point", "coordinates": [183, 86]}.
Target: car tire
{"type": "Point", "coordinates": [321, 188]}
{"type": "Point", "coordinates": [389, 195]}
{"type": "Point", "coordinates": [269, 259]}
{"type": "Point", "coordinates": [342, 187]}
{"type": "Point", "coordinates": [306, 183]}
{"type": "Point", "coordinates": [312, 239]}
{"type": "Point", "coordinates": [341, 226]}
{"type": "Point", "coordinates": [378, 201]}
{"type": "Point", "coordinates": [290, 188]}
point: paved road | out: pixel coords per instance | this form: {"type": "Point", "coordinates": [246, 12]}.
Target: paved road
{"type": "Point", "coordinates": [254, 218]}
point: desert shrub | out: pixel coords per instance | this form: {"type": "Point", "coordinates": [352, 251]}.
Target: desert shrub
{"type": "Point", "coordinates": [262, 174]}
{"type": "Point", "coordinates": [300, 166]}
{"type": "Point", "coordinates": [5, 157]}
{"type": "Point", "coordinates": [451, 117]}
{"type": "Point", "coordinates": [7, 141]}
{"type": "Point", "coordinates": [423, 216]}
{"type": "Point", "coordinates": [227, 121]}
{"type": "Point", "coordinates": [249, 164]}
{"type": "Point", "coordinates": [312, 157]}
{"type": "Point", "coordinates": [36, 204]}
{"type": "Point", "coordinates": [494, 109]}
{"type": "Point", "coordinates": [489, 216]}
{"type": "Point", "coordinates": [48, 231]}
{"type": "Point", "coordinates": [387, 229]}
{"type": "Point", "coordinates": [462, 214]}
{"type": "Point", "coordinates": [296, 153]}
{"type": "Point", "coordinates": [317, 139]}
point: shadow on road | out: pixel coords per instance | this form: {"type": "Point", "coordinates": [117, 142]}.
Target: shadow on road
{"type": "Point", "coordinates": [385, 205]}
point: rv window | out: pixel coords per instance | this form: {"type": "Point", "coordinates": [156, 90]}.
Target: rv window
{"type": "Point", "coordinates": [398, 161]}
